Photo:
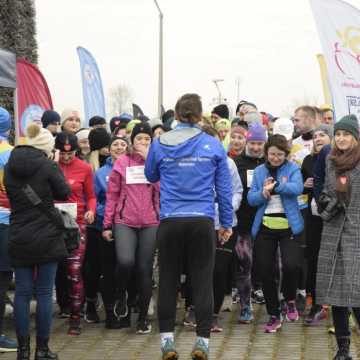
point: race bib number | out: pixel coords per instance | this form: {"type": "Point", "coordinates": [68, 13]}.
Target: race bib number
{"type": "Point", "coordinates": [136, 175]}
{"type": "Point", "coordinates": [70, 208]}
{"type": "Point", "coordinates": [274, 205]}
{"type": "Point", "coordinates": [249, 177]}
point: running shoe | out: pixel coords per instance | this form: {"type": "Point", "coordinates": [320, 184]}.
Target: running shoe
{"type": "Point", "coordinates": [246, 315]}
{"type": "Point", "coordinates": [273, 325]}
{"type": "Point", "coordinates": [227, 304]}
{"type": "Point", "coordinates": [216, 326]}
{"type": "Point", "coordinates": [200, 350]}
{"type": "Point", "coordinates": [189, 319]}
{"type": "Point", "coordinates": [168, 350]}
{"type": "Point", "coordinates": [74, 326]}
{"type": "Point", "coordinates": [121, 308]}
{"type": "Point", "coordinates": [143, 327]}
{"type": "Point", "coordinates": [91, 316]}
{"type": "Point", "coordinates": [258, 297]}
{"type": "Point", "coordinates": [7, 344]}
{"type": "Point", "coordinates": [301, 303]}
{"type": "Point", "coordinates": [64, 313]}
{"type": "Point", "coordinates": [291, 312]}
{"type": "Point", "coordinates": [316, 314]}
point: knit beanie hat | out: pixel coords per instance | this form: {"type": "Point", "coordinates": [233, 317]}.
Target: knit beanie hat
{"type": "Point", "coordinates": [130, 126]}
{"type": "Point", "coordinates": [223, 124]}
{"type": "Point", "coordinates": [66, 142]}
{"type": "Point", "coordinates": [114, 138]}
{"type": "Point", "coordinates": [5, 121]}
{"type": "Point", "coordinates": [40, 138]}
{"type": "Point", "coordinates": [285, 127]}
{"type": "Point", "coordinates": [221, 110]}
{"type": "Point", "coordinates": [125, 117]}
{"type": "Point", "coordinates": [50, 117]}
{"type": "Point", "coordinates": [68, 113]}
{"type": "Point", "coordinates": [82, 134]}
{"type": "Point", "coordinates": [114, 123]}
{"type": "Point", "coordinates": [238, 130]}
{"type": "Point", "coordinates": [97, 120]}
{"type": "Point", "coordinates": [98, 139]}
{"type": "Point", "coordinates": [325, 128]}
{"type": "Point", "coordinates": [350, 124]}
{"type": "Point", "coordinates": [253, 117]}
{"type": "Point", "coordinates": [142, 128]}
{"type": "Point", "coordinates": [256, 132]}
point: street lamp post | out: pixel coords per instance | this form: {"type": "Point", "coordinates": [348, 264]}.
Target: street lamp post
{"type": "Point", "coordinates": [160, 95]}
{"type": "Point", "coordinates": [216, 82]}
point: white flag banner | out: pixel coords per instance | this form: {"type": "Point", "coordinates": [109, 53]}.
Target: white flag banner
{"type": "Point", "coordinates": [338, 24]}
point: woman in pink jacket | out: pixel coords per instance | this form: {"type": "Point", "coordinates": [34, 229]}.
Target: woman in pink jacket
{"type": "Point", "coordinates": [131, 219]}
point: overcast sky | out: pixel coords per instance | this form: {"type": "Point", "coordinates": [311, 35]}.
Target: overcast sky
{"type": "Point", "coordinates": [270, 45]}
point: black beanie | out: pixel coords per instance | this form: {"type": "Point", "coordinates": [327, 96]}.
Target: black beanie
{"type": "Point", "coordinates": [114, 138]}
{"type": "Point", "coordinates": [139, 129]}
{"type": "Point", "coordinates": [350, 124]}
{"type": "Point", "coordinates": [114, 123]}
{"type": "Point", "coordinates": [50, 117]}
{"type": "Point", "coordinates": [98, 139]}
{"type": "Point", "coordinates": [221, 110]}
{"type": "Point", "coordinates": [66, 142]}
{"type": "Point", "coordinates": [97, 120]}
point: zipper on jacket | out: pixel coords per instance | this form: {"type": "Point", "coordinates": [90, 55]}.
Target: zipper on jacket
{"type": "Point", "coordinates": [154, 205]}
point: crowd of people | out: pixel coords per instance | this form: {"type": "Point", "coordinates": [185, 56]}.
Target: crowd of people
{"type": "Point", "coordinates": [255, 209]}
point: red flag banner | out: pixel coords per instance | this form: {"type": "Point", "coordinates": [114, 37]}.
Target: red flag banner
{"type": "Point", "coordinates": [33, 95]}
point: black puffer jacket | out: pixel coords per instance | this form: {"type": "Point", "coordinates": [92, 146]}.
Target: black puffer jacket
{"type": "Point", "coordinates": [34, 238]}
{"type": "Point", "coordinates": [246, 213]}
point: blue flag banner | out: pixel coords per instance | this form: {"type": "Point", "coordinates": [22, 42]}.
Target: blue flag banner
{"type": "Point", "coordinates": [93, 94]}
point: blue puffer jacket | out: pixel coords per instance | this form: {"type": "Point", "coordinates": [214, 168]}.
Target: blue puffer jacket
{"type": "Point", "coordinates": [290, 187]}
{"type": "Point", "coordinates": [101, 183]}
{"type": "Point", "coordinates": [190, 165]}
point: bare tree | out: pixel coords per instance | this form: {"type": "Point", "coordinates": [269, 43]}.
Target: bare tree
{"type": "Point", "coordinates": [120, 99]}
{"type": "Point", "coordinates": [297, 102]}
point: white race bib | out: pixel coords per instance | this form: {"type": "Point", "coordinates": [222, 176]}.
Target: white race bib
{"type": "Point", "coordinates": [136, 175]}
{"type": "Point", "coordinates": [274, 205]}
{"type": "Point", "coordinates": [249, 177]}
{"type": "Point", "coordinates": [70, 208]}
{"type": "Point", "coordinates": [314, 208]}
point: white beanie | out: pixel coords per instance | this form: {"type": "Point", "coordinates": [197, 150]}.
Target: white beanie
{"type": "Point", "coordinates": [82, 134]}
{"type": "Point", "coordinates": [68, 113]}
{"type": "Point", "coordinates": [40, 138]}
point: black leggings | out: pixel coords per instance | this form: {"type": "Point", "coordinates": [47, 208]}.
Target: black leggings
{"type": "Point", "coordinates": [5, 279]}
{"type": "Point", "coordinates": [313, 238]}
{"type": "Point", "coordinates": [266, 249]}
{"type": "Point", "coordinates": [193, 239]}
{"type": "Point", "coordinates": [223, 270]}
{"type": "Point", "coordinates": [341, 320]}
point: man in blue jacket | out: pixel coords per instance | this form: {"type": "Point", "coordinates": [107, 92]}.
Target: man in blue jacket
{"type": "Point", "coordinates": [192, 169]}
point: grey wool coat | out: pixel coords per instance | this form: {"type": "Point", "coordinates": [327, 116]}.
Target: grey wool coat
{"type": "Point", "coordinates": [338, 274]}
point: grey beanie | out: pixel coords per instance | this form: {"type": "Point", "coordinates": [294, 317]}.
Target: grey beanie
{"type": "Point", "coordinates": [325, 128]}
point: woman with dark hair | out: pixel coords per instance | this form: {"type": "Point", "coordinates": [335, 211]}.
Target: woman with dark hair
{"type": "Point", "coordinates": [190, 166]}
{"type": "Point", "coordinates": [35, 242]}
{"type": "Point", "coordinates": [322, 136]}
{"type": "Point", "coordinates": [278, 223]}
{"type": "Point", "coordinates": [82, 205]}
{"type": "Point", "coordinates": [131, 219]}
{"type": "Point", "coordinates": [338, 282]}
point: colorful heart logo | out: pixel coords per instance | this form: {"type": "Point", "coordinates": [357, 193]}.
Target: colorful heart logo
{"type": "Point", "coordinates": [67, 147]}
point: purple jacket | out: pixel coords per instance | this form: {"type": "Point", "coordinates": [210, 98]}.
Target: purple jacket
{"type": "Point", "coordinates": [132, 204]}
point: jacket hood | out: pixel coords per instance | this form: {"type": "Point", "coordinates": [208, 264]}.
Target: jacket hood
{"type": "Point", "coordinates": [25, 161]}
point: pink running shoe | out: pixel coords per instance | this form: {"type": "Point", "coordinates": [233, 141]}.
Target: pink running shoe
{"type": "Point", "coordinates": [291, 312]}
{"type": "Point", "coordinates": [273, 325]}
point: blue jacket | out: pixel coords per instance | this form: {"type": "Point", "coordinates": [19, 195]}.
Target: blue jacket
{"type": "Point", "coordinates": [191, 166]}
{"type": "Point", "coordinates": [290, 186]}
{"type": "Point", "coordinates": [101, 183]}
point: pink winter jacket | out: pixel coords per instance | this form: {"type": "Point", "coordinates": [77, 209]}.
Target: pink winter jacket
{"type": "Point", "coordinates": [134, 205]}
